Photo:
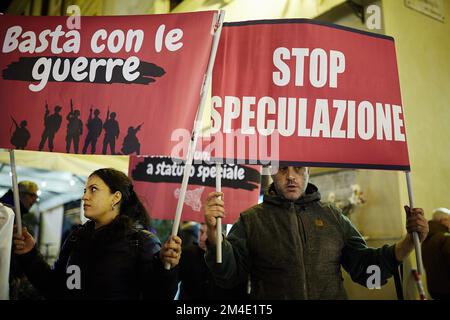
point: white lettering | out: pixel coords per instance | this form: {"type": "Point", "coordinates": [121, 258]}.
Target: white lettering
{"type": "Point", "coordinates": [281, 78]}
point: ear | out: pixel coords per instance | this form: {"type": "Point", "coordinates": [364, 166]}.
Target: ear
{"type": "Point", "coordinates": [117, 197]}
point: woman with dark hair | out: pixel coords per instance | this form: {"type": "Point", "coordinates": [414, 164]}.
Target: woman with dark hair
{"type": "Point", "coordinates": [112, 256]}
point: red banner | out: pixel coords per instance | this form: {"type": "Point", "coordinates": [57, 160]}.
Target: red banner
{"type": "Point", "coordinates": [111, 85]}
{"type": "Point", "coordinates": [301, 92]}
{"type": "Point", "coordinates": [157, 180]}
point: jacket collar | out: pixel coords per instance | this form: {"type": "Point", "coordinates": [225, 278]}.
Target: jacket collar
{"type": "Point", "coordinates": [310, 196]}
{"type": "Point", "coordinates": [118, 228]}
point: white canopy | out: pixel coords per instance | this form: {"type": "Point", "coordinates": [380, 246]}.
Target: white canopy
{"type": "Point", "coordinates": [60, 177]}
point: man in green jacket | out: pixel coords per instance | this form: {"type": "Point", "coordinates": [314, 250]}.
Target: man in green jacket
{"type": "Point", "coordinates": [292, 245]}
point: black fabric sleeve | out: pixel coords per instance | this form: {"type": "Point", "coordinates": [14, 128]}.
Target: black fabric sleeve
{"type": "Point", "coordinates": [235, 264]}
{"type": "Point", "coordinates": [49, 281]}
{"type": "Point", "coordinates": [357, 257]}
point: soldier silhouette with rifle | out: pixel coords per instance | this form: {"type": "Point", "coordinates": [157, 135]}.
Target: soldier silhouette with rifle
{"type": "Point", "coordinates": [74, 129]}
{"type": "Point", "coordinates": [111, 127]}
{"type": "Point", "coordinates": [94, 126]}
{"type": "Point", "coordinates": [52, 123]}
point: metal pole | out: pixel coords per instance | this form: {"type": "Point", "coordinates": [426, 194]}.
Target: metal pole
{"type": "Point", "coordinates": [15, 186]}
{"type": "Point", "coordinates": [417, 248]}
{"type": "Point", "coordinates": [219, 220]}
{"type": "Point", "coordinates": [197, 128]}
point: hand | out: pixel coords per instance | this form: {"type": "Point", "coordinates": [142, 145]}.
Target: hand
{"type": "Point", "coordinates": [214, 208]}
{"type": "Point", "coordinates": [416, 222]}
{"type": "Point", "coordinates": [171, 251]}
{"type": "Point", "coordinates": [23, 244]}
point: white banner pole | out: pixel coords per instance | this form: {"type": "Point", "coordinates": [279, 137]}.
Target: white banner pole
{"type": "Point", "coordinates": [12, 161]}
{"type": "Point", "coordinates": [197, 127]}
{"type": "Point", "coordinates": [417, 248]}
{"type": "Point", "coordinates": [219, 220]}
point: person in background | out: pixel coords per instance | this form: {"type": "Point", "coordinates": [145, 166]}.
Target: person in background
{"type": "Point", "coordinates": [436, 255]}
{"type": "Point", "coordinates": [197, 282]}
{"type": "Point", "coordinates": [112, 256]}
{"type": "Point", "coordinates": [27, 194]}
{"type": "Point", "coordinates": [189, 232]}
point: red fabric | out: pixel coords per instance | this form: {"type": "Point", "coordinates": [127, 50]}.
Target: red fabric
{"type": "Point", "coordinates": [156, 105]}
{"type": "Point", "coordinates": [159, 193]}
{"type": "Point", "coordinates": [244, 68]}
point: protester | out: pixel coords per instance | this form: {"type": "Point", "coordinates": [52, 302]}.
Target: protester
{"type": "Point", "coordinates": [6, 230]}
{"type": "Point", "coordinates": [293, 246]}
{"type": "Point", "coordinates": [189, 233]}
{"type": "Point", "coordinates": [109, 257]}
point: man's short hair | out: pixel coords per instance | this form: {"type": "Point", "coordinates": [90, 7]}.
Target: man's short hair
{"type": "Point", "coordinates": [440, 213]}
{"type": "Point", "coordinates": [28, 187]}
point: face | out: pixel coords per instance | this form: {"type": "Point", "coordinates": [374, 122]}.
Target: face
{"type": "Point", "coordinates": [290, 182]}
{"type": "Point", "coordinates": [202, 236]}
{"type": "Point", "coordinates": [28, 199]}
{"type": "Point", "coordinates": [98, 200]}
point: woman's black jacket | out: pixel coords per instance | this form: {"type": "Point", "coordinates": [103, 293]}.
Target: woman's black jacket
{"type": "Point", "coordinates": [116, 261]}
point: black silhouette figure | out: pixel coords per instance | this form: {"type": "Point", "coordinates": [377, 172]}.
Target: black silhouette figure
{"type": "Point", "coordinates": [52, 124]}
{"type": "Point", "coordinates": [94, 126]}
{"type": "Point", "coordinates": [130, 142]}
{"type": "Point", "coordinates": [21, 135]}
{"type": "Point", "coordinates": [111, 127]}
{"type": "Point", "coordinates": [74, 129]}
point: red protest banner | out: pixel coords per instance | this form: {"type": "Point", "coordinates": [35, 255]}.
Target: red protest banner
{"type": "Point", "coordinates": [301, 92]}
{"type": "Point", "coordinates": [111, 86]}
{"type": "Point", "coordinates": [157, 182]}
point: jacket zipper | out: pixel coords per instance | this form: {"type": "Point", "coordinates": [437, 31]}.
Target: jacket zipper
{"type": "Point", "coordinates": [303, 245]}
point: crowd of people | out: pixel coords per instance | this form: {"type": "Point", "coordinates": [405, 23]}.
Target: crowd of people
{"type": "Point", "coordinates": [290, 246]}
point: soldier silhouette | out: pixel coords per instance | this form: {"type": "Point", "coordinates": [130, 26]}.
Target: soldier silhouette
{"type": "Point", "coordinates": [21, 135]}
{"type": "Point", "coordinates": [94, 126]}
{"type": "Point", "coordinates": [131, 142]}
{"type": "Point", "coordinates": [51, 126]}
{"type": "Point", "coordinates": [74, 129]}
{"type": "Point", "coordinates": [111, 127]}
